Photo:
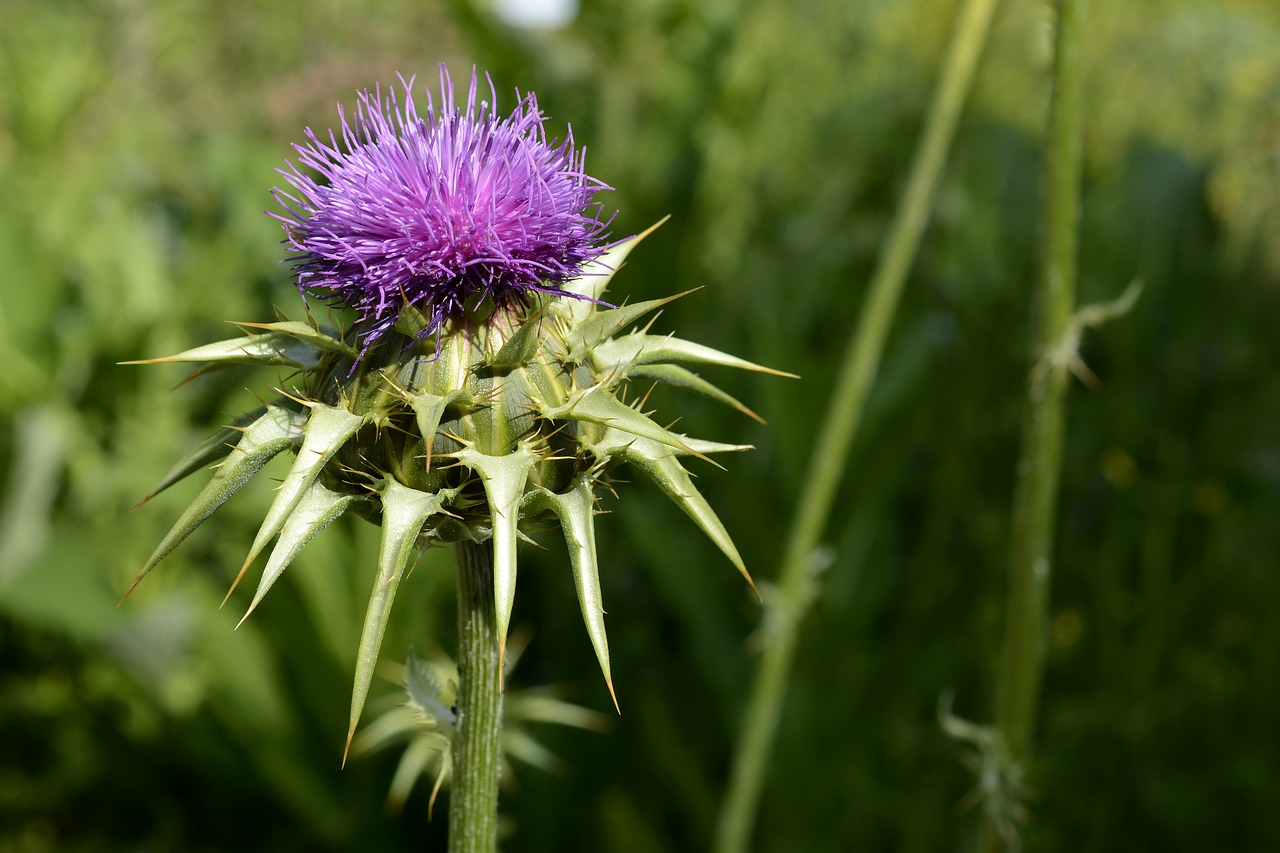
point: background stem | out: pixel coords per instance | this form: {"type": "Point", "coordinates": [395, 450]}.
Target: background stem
{"type": "Point", "coordinates": [827, 465]}
{"type": "Point", "coordinates": [473, 798]}
{"type": "Point", "coordinates": [1040, 462]}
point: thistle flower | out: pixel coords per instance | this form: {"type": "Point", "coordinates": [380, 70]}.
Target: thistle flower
{"type": "Point", "coordinates": [438, 212]}
{"type": "Point", "coordinates": [483, 391]}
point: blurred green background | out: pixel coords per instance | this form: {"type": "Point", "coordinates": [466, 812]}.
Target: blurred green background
{"type": "Point", "coordinates": [138, 142]}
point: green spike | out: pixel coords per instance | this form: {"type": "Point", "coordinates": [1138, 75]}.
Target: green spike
{"type": "Point", "coordinates": [327, 429]}
{"type": "Point", "coordinates": [268, 348]}
{"type": "Point", "coordinates": [504, 478]}
{"type": "Point", "coordinates": [604, 324]}
{"type": "Point", "coordinates": [596, 405]}
{"type": "Point", "coordinates": [318, 508]}
{"type": "Point", "coordinates": [207, 452]}
{"type": "Point", "coordinates": [661, 466]}
{"type": "Point", "coordinates": [672, 374]}
{"type": "Point", "coordinates": [703, 446]}
{"type": "Point", "coordinates": [429, 408]}
{"type": "Point", "coordinates": [269, 435]}
{"type": "Point", "coordinates": [638, 348]}
{"type": "Point", "coordinates": [520, 348]}
{"type": "Point", "coordinates": [597, 274]}
{"type": "Point", "coordinates": [576, 511]}
{"type": "Point", "coordinates": [404, 510]}
{"type": "Point", "coordinates": [320, 338]}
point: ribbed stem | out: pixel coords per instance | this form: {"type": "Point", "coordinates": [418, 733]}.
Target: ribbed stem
{"type": "Point", "coordinates": [831, 451]}
{"type": "Point", "coordinates": [473, 797]}
{"type": "Point", "coordinates": [1040, 462]}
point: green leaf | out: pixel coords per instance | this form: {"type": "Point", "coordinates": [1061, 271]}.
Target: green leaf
{"type": "Point", "coordinates": [268, 348]}
{"type": "Point", "coordinates": [318, 508]}
{"type": "Point", "coordinates": [661, 466]}
{"type": "Point", "coordinates": [429, 408]}
{"type": "Point", "coordinates": [639, 348]}
{"type": "Point", "coordinates": [596, 276]}
{"type": "Point", "coordinates": [326, 431]}
{"type": "Point", "coordinates": [503, 478]}
{"type": "Point", "coordinates": [521, 347]}
{"type": "Point", "coordinates": [679, 377]}
{"type": "Point", "coordinates": [419, 755]}
{"type": "Point", "coordinates": [207, 452]}
{"type": "Point", "coordinates": [597, 405]}
{"type": "Point", "coordinates": [276, 430]}
{"type": "Point", "coordinates": [426, 693]}
{"type": "Point", "coordinates": [701, 445]}
{"type": "Point", "coordinates": [576, 511]}
{"type": "Point", "coordinates": [606, 323]}
{"type": "Point", "coordinates": [404, 510]}
{"type": "Point", "coordinates": [319, 338]}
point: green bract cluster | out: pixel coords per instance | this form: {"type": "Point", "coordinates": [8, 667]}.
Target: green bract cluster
{"type": "Point", "coordinates": [483, 431]}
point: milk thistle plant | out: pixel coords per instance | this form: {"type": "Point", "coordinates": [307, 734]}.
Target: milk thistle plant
{"type": "Point", "coordinates": [483, 391]}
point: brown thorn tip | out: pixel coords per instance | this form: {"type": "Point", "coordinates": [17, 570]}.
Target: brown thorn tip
{"type": "Point", "coordinates": [235, 583]}
{"type": "Point", "coordinates": [654, 227]}
{"type": "Point", "coordinates": [614, 696]}
{"type": "Point", "coordinates": [128, 592]}
{"type": "Point", "coordinates": [346, 749]}
{"type": "Point", "coordinates": [161, 360]}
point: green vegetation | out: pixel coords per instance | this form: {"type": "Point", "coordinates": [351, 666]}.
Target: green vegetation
{"type": "Point", "coordinates": [137, 148]}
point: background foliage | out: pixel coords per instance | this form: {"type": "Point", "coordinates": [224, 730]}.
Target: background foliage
{"type": "Point", "coordinates": [137, 146]}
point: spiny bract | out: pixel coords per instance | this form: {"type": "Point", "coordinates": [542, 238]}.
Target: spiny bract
{"type": "Point", "coordinates": [482, 431]}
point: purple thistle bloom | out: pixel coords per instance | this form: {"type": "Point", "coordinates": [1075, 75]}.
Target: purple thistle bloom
{"type": "Point", "coordinates": [439, 211]}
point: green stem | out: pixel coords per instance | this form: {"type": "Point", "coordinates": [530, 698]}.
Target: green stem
{"type": "Point", "coordinates": [473, 797]}
{"type": "Point", "coordinates": [826, 466]}
{"type": "Point", "coordinates": [1040, 461]}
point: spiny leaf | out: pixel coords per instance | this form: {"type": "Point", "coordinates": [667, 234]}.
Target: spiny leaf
{"type": "Point", "coordinates": [276, 430]}
{"type": "Point", "coordinates": [205, 453]}
{"type": "Point", "coordinates": [521, 347]}
{"type": "Point", "coordinates": [429, 408]}
{"type": "Point", "coordinates": [604, 324]}
{"type": "Point", "coordinates": [597, 405]}
{"type": "Point", "coordinates": [318, 508]}
{"type": "Point", "coordinates": [661, 466]}
{"type": "Point", "coordinates": [521, 745]}
{"type": "Point", "coordinates": [701, 445]}
{"type": "Point", "coordinates": [538, 705]}
{"type": "Point", "coordinates": [268, 348]}
{"type": "Point", "coordinates": [415, 761]}
{"type": "Point", "coordinates": [503, 478]}
{"type": "Point", "coordinates": [320, 338]}
{"type": "Point", "coordinates": [672, 374]}
{"type": "Point", "coordinates": [404, 511]}
{"type": "Point", "coordinates": [639, 348]}
{"type": "Point", "coordinates": [596, 275]}
{"type": "Point", "coordinates": [425, 692]}
{"type": "Point", "coordinates": [391, 726]}
{"type": "Point", "coordinates": [576, 511]}
{"type": "Point", "coordinates": [327, 429]}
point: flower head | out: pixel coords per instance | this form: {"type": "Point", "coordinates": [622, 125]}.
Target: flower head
{"type": "Point", "coordinates": [439, 211]}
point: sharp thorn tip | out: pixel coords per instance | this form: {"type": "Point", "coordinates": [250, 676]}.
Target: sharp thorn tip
{"type": "Point", "coordinates": [346, 750]}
